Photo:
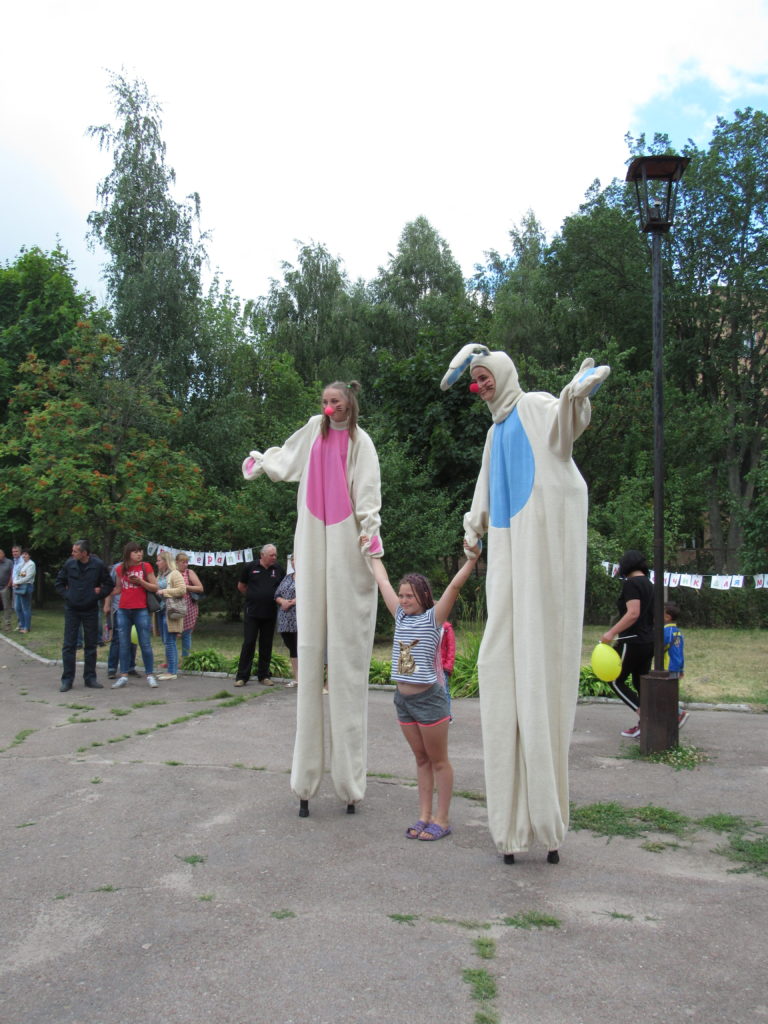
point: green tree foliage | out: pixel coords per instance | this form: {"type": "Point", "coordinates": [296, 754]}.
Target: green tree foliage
{"type": "Point", "coordinates": [155, 249]}
{"type": "Point", "coordinates": [718, 322]}
{"type": "Point", "coordinates": [85, 454]}
{"type": "Point", "coordinates": [39, 309]}
{"type": "Point", "coordinates": [245, 393]}
{"type": "Point", "coordinates": [419, 298]}
{"type": "Point", "coordinates": [315, 316]}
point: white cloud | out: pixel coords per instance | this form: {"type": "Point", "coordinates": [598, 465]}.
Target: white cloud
{"type": "Point", "coordinates": [341, 121]}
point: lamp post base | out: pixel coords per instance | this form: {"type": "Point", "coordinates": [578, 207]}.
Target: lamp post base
{"type": "Point", "coordinates": [659, 694]}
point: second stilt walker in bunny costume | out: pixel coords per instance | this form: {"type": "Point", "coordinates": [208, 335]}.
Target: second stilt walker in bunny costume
{"type": "Point", "coordinates": [339, 499]}
{"type": "Point", "coordinates": [532, 501]}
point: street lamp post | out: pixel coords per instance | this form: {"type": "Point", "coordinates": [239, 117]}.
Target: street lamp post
{"type": "Point", "coordinates": [656, 180]}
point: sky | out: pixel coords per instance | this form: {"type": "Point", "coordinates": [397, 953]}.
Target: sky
{"type": "Point", "coordinates": [340, 121]}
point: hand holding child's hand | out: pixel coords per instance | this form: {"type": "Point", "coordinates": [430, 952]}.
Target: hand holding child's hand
{"type": "Point", "coordinates": [472, 551]}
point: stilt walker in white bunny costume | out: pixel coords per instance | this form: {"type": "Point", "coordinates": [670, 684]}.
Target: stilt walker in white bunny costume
{"type": "Point", "coordinates": [531, 500]}
{"type": "Point", "coordinates": [339, 499]}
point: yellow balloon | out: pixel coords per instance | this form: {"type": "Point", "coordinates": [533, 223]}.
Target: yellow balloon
{"type": "Point", "coordinates": [135, 639]}
{"type": "Point", "coordinates": [606, 663]}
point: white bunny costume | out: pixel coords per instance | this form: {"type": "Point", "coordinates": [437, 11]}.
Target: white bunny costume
{"type": "Point", "coordinates": [338, 500]}
{"type": "Point", "coordinates": [532, 501]}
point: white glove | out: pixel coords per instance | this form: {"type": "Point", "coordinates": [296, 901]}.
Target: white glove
{"type": "Point", "coordinates": [588, 380]}
{"type": "Point", "coordinates": [253, 465]}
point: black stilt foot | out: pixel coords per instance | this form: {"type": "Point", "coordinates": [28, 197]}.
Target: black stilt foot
{"type": "Point", "coordinates": [553, 857]}
{"type": "Point", "coordinates": [509, 858]}
{"type": "Point", "coordinates": [350, 808]}
{"type": "Point", "coordinates": [303, 808]}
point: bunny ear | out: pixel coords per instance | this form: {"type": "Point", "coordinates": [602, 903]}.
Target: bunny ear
{"type": "Point", "coordinates": [460, 362]}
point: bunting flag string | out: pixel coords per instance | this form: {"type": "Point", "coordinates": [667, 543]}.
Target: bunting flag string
{"type": "Point", "coordinates": [696, 580]}
{"type": "Point", "coordinates": [207, 559]}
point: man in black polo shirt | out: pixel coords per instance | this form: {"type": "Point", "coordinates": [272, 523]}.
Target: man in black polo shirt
{"type": "Point", "coordinates": [259, 581]}
{"type": "Point", "coordinates": [82, 581]}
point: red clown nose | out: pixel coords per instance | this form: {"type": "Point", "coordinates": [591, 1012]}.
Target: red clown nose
{"type": "Point", "coordinates": [328, 410]}
{"type": "Point", "coordinates": [474, 387]}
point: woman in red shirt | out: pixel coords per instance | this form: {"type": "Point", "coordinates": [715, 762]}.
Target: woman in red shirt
{"type": "Point", "coordinates": [135, 579]}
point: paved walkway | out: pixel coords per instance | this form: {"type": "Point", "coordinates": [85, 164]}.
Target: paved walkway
{"type": "Point", "coordinates": [153, 869]}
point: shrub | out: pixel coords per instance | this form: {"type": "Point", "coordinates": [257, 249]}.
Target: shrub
{"type": "Point", "coordinates": [591, 686]}
{"type": "Point", "coordinates": [379, 674]}
{"type": "Point", "coordinates": [205, 661]}
{"type": "Point", "coordinates": [279, 666]}
{"type": "Point", "coordinates": [464, 681]}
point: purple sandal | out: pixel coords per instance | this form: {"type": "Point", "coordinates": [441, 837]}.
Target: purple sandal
{"type": "Point", "coordinates": [415, 830]}
{"type": "Point", "coordinates": [431, 833]}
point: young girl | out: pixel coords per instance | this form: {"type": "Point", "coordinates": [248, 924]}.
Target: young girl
{"type": "Point", "coordinates": [421, 700]}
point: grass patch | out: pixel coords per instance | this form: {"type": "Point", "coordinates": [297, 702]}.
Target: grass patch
{"type": "Point", "coordinates": [468, 794]}
{"type": "Point", "coordinates": [106, 888]}
{"type": "Point", "coordinates": [488, 1016]}
{"type": "Point", "coordinates": [95, 780]}
{"type": "Point", "coordinates": [206, 897]}
{"type": "Point", "coordinates": [193, 858]}
{"type": "Point", "coordinates": [724, 823]}
{"type": "Point", "coordinates": [620, 917]}
{"type": "Point", "coordinates": [611, 819]}
{"type": "Point", "coordinates": [483, 984]}
{"type": "Point", "coordinates": [752, 854]}
{"type": "Point", "coordinates": [471, 925]}
{"type": "Point", "coordinates": [485, 947]}
{"type": "Point", "coordinates": [679, 757]}
{"type": "Point", "coordinates": [404, 918]}
{"type": "Point", "coordinates": [26, 824]}
{"type": "Point", "coordinates": [79, 707]}
{"type": "Point", "coordinates": [532, 919]}
{"type": "Point", "coordinates": [119, 712]}
{"type": "Point", "coordinates": [659, 819]}
{"type": "Point", "coordinates": [148, 703]}
{"type": "Point", "coordinates": [174, 764]}
{"type": "Point", "coordinates": [62, 895]}
{"type": "Point", "coordinates": [281, 915]}
{"type": "Point", "coordinates": [19, 738]}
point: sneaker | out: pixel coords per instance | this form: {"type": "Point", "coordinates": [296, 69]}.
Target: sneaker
{"type": "Point", "coordinates": [239, 682]}
{"type": "Point", "coordinates": [267, 681]}
{"type": "Point", "coordinates": [682, 718]}
{"type": "Point", "coordinates": [632, 732]}
{"type": "Point", "coordinates": [119, 682]}
{"type": "Point", "coordinates": [133, 672]}
{"type": "Point", "coordinates": [151, 681]}
{"type": "Point", "coordinates": [94, 685]}
{"type": "Point", "coordinates": [166, 676]}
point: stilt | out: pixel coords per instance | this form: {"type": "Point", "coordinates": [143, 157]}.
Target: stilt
{"type": "Point", "coordinates": [350, 808]}
{"type": "Point", "coordinates": [509, 858]}
{"type": "Point", "coordinates": [553, 857]}
{"type": "Point", "coordinates": [303, 808]}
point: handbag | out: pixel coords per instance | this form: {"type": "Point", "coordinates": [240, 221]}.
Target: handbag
{"type": "Point", "coordinates": [175, 607]}
{"type": "Point", "coordinates": [153, 602]}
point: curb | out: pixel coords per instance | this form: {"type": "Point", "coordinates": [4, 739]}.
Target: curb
{"type": "Point", "coordinates": [747, 709]}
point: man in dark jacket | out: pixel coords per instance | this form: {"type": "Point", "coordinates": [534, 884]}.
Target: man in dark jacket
{"type": "Point", "coordinates": [258, 582]}
{"type": "Point", "coordinates": [82, 581]}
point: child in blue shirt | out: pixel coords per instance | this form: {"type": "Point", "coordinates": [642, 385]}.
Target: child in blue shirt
{"type": "Point", "coordinates": [674, 651]}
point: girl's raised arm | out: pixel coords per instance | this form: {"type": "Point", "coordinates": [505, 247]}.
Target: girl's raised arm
{"type": "Point", "coordinates": [445, 604]}
{"type": "Point", "coordinates": [391, 600]}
